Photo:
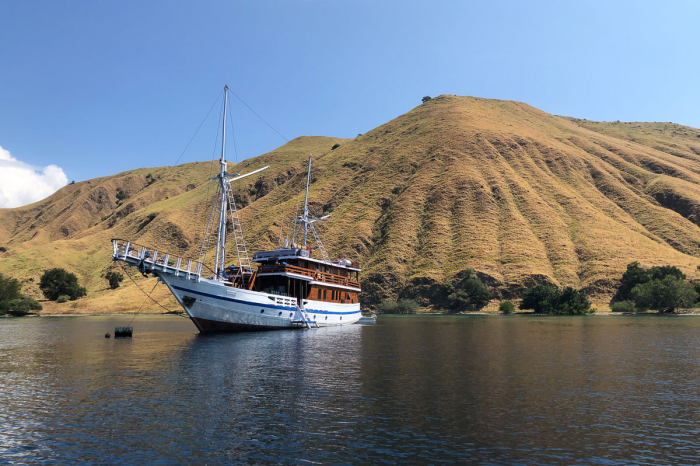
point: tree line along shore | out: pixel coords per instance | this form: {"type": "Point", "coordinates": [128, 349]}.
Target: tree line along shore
{"type": "Point", "coordinates": [661, 289]}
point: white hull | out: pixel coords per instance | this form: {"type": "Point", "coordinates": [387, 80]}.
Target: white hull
{"type": "Point", "coordinates": [218, 308]}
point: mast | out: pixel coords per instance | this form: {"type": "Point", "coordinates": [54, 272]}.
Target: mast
{"type": "Point", "coordinates": [220, 262]}
{"type": "Point", "coordinates": [309, 222]}
{"type": "Point", "coordinates": [305, 216]}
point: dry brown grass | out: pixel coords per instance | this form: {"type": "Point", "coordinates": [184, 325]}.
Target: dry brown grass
{"type": "Point", "coordinates": [513, 192]}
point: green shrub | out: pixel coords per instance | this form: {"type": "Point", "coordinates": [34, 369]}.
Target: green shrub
{"type": "Point", "coordinates": [3, 249]}
{"type": "Point", "coordinates": [636, 275]}
{"type": "Point", "coordinates": [623, 306]}
{"type": "Point", "coordinates": [335, 146]}
{"type": "Point", "coordinates": [403, 306]}
{"type": "Point", "coordinates": [114, 279]}
{"type": "Point", "coordinates": [666, 296]}
{"type": "Point", "coordinates": [22, 306]}
{"type": "Point", "coordinates": [633, 276]}
{"type": "Point", "coordinates": [9, 289]}
{"type": "Point", "coordinates": [545, 299]}
{"type": "Point", "coordinates": [57, 282]}
{"type": "Point", "coordinates": [506, 307]}
{"type": "Point", "coordinates": [540, 298]}
{"type": "Point", "coordinates": [467, 293]}
{"type": "Point", "coordinates": [426, 99]}
{"type": "Point", "coordinates": [572, 302]}
{"type": "Point", "coordinates": [63, 299]}
{"type": "Point", "coordinates": [120, 194]}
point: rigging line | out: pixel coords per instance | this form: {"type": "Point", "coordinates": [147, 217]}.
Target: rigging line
{"type": "Point", "coordinates": [142, 303]}
{"type": "Point", "coordinates": [178, 159]}
{"type": "Point", "coordinates": [200, 126]}
{"type": "Point", "coordinates": [233, 132]}
{"type": "Point", "coordinates": [141, 289]}
{"type": "Point", "coordinates": [207, 233]}
{"type": "Point", "coordinates": [261, 118]}
{"type": "Point", "coordinates": [216, 138]}
{"type": "Point", "coordinates": [296, 216]}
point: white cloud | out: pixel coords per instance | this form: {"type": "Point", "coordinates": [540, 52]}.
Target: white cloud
{"type": "Point", "coordinates": [22, 184]}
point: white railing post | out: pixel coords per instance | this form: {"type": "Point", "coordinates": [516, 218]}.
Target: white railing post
{"type": "Point", "coordinates": [189, 267]}
{"type": "Point", "coordinates": [153, 257]}
{"type": "Point", "coordinates": [177, 266]}
{"type": "Point", "coordinates": [143, 253]}
{"type": "Point", "coordinates": [165, 262]}
{"type": "Point", "coordinates": [115, 246]}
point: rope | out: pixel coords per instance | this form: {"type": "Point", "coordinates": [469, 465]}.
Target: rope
{"type": "Point", "coordinates": [148, 296]}
{"type": "Point", "coordinates": [261, 118]}
{"type": "Point", "coordinates": [147, 230]}
{"type": "Point", "coordinates": [144, 302]}
{"type": "Point", "coordinates": [233, 133]}
{"type": "Point", "coordinates": [200, 127]}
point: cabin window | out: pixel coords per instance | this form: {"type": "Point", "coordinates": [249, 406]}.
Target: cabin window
{"type": "Point", "coordinates": [324, 294]}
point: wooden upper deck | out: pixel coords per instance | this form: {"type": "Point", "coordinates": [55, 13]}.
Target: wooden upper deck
{"type": "Point", "coordinates": [315, 275]}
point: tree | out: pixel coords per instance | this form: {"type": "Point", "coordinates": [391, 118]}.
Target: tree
{"type": "Point", "coordinates": [636, 275]}
{"type": "Point", "coordinates": [403, 306]}
{"type": "Point", "coordinates": [661, 272]}
{"type": "Point", "coordinates": [14, 302]}
{"type": "Point", "coordinates": [545, 299]}
{"type": "Point", "coordinates": [633, 276]}
{"type": "Point", "coordinates": [114, 279]}
{"type": "Point", "coordinates": [467, 293]}
{"type": "Point", "coordinates": [623, 306]}
{"type": "Point", "coordinates": [9, 289]}
{"type": "Point", "coordinates": [57, 282]}
{"type": "Point", "coordinates": [22, 305]}
{"type": "Point", "coordinates": [506, 307]}
{"type": "Point", "coordinates": [665, 296]}
{"type": "Point", "coordinates": [572, 302]}
{"type": "Point", "coordinates": [426, 98]}
{"type": "Point", "coordinates": [540, 298]}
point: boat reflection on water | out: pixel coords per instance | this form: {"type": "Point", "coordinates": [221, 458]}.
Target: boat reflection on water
{"type": "Point", "coordinates": [498, 390]}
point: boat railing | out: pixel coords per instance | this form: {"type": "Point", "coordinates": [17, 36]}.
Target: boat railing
{"type": "Point", "coordinates": [318, 276]}
{"type": "Point", "coordinates": [161, 261]}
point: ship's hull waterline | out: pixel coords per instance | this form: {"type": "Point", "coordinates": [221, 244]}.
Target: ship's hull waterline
{"type": "Point", "coordinates": [215, 308]}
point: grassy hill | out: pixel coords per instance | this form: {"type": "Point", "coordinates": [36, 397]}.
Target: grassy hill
{"type": "Point", "coordinates": [521, 196]}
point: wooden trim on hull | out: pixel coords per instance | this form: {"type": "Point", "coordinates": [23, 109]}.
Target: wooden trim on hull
{"type": "Point", "coordinates": [213, 326]}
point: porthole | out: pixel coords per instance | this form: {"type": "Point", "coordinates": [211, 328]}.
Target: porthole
{"type": "Point", "coordinates": [290, 314]}
{"type": "Point", "coordinates": [262, 311]}
{"type": "Point", "coordinates": [279, 314]}
{"type": "Point", "coordinates": [341, 317]}
{"type": "Point", "coordinates": [326, 317]}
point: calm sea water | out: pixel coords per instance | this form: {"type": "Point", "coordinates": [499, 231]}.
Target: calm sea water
{"type": "Point", "coordinates": [407, 390]}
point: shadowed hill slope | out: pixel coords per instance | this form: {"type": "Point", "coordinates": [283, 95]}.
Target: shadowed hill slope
{"type": "Point", "coordinates": [520, 195]}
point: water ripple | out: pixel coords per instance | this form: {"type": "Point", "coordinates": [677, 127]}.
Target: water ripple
{"type": "Point", "coordinates": [410, 390]}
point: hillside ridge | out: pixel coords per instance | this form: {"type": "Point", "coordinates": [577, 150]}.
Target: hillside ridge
{"type": "Point", "coordinates": [519, 195]}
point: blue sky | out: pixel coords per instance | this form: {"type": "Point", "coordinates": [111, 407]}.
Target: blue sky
{"type": "Point", "coordinates": [101, 87]}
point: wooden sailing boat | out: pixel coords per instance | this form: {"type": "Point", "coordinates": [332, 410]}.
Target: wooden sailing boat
{"type": "Point", "coordinates": [288, 289]}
